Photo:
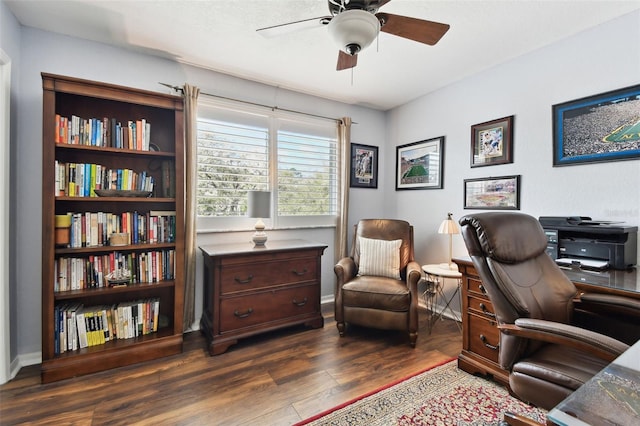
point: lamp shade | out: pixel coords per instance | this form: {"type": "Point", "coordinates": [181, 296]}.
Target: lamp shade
{"type": "Point", "coordinates": [353, 30]}
{"type": "Point", "coordinates": [448, 226]}
{"type": "Point", "coordinates": [259, 204]}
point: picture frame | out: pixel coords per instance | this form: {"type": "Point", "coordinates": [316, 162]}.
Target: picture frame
{"type": "Point", "coordinates": [603, 127]}
{"type": "Point", "coordinates": [364, 166]}
{"type": "Point", "coordinates": [492, 193]}
{"type": "Point", "coordinates": [492, 142]}
{"type": "Point", "coordinates": [420, 165]}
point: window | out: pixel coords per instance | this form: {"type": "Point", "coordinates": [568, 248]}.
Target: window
{"type": "Point", "coordinates": [248, 148]}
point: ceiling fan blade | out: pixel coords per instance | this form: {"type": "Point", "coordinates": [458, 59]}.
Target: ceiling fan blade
{"type": "Point", "coordinates": [290, 27]}
{"type": "Point", "coordinates": [346, 61]}
{"type": "Point", "coordinates": [420, 30]}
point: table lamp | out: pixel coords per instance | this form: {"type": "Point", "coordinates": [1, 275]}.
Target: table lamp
{"type": "Point", "coordinates": [259, 206]}
{"type": "Point", "coordinates": [449, 226]}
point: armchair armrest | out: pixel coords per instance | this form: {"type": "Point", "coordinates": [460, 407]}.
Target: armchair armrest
{"type": "Point", "coordinates": [604, 347]}
{"type": "Point", "coordinates": [345, 269]}
{"type": "Point", "coordinates": [414, 273]}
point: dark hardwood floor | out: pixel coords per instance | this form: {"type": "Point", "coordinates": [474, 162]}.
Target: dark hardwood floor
{"type": "Point", "coordinates": [274, 379]}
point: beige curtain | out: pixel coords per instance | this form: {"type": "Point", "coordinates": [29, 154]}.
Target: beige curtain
{"type": "Point", "coordinates": [344, 141]}
{"type": "Point", "coordinates": [190, 94]}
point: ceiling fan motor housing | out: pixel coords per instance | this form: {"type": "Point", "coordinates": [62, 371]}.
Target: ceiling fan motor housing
{"type": "Point", "coordinates": [354, 30]}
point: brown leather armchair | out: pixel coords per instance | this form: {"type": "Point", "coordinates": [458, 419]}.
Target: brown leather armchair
{"type": "Point", "coordinates": [547, 355]}
{"type": "Point", "coordinates": [364, 297]}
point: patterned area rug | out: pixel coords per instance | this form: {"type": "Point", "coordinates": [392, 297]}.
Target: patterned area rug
{"type": "Point", "coordinates": [443, 396]}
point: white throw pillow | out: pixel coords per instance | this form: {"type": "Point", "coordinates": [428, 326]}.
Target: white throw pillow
{"type": "Point", "coordinates": [379, 257]}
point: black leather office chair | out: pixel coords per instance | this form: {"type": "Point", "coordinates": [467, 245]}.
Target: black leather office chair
{"type": "Point", "coordinates": [548, 357]}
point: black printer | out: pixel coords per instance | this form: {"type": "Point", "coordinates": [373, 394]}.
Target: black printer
{"type": "Point", "coordinates": [579, 241]}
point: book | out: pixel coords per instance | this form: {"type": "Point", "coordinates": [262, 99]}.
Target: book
{"type": "Point", "coordinates": [82, 329]}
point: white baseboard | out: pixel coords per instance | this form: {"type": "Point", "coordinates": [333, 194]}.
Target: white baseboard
{"type": "Point", "coordinates": [23, 361]}
{"type": "Point", "coordinates": [327, 299]}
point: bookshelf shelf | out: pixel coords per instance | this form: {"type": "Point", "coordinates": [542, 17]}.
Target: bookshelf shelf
{"type": "Point", "coordinates": [115, 345]}
{"type": "Point", "coordinates": [115, 151]}
{"type": "Point", "coordinates": [102, 136]}
{"type": "Point", "coordinates": [104, 249]}
{"type": "Point", "coordinates": [118, 199]}
{"type": "Point", "coordinates": [106, 291]}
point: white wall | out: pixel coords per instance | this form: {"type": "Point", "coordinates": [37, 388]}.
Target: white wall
{"type": "Point", "coordinates": [602, 59]}
{"type": "Point", "coordinates": [10, 46]}
{"type": "Point", "coordinates": [52, 53]}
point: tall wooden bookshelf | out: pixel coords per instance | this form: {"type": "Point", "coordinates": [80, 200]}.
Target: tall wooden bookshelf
{"type": "Point", "coordinates": [162, 159]}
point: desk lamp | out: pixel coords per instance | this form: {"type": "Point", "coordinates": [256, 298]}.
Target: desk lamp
{"type": "Point", "coordinates": [259, 206]}
{"type": "Point", "coordinates": [449, 226]}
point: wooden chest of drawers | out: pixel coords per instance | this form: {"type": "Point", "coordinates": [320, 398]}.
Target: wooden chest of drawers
{"type": "Point", "coordinates": [251, 290]}
{"type": "Point", "coordinates": [481, 338]}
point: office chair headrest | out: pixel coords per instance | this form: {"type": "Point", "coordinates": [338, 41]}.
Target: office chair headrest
{"type": "Point", "coordinates": [507, 237]}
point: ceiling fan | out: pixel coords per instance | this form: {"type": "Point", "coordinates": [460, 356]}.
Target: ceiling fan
{"type": "Point", "coordinates": [354, 24]}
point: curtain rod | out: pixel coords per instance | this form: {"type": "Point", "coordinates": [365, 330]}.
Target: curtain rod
{"type": "Point", "coordinates": [273, 108]}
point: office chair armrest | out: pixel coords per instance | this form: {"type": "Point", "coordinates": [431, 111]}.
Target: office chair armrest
{"type": "Point", "coordinates": [604, 347]}
{"type": "Point", "coordinates": [610, 303]}
{"type": "Point", "coordinates": [345, 269]}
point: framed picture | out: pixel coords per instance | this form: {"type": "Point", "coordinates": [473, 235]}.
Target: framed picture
{"type": "Point", "coordinates": [604, 127]}
{"type": "Point", "coordinates": [493, 193]}
{"type": "Point", "coordinates": [492, 142]}
{"type": "Point", "coordinates": [364, 166]}
{"type": "Point", "coordinates": [420, 165]}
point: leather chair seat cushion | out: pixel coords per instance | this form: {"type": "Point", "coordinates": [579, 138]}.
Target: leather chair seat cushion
{"type": "Point", "coordinates": [551, 373]}
{"type": "Point", "coordinates": [376, 293]}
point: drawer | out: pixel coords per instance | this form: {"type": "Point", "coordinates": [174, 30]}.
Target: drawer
{"type": "Point", "coordinates": [257, 275]}
{"type": "Point", "coordinates": [468, 269]}
{"type": "Point", "coordinates": [475, 286]}
{"type": "Point", "coordinates": [484, 337]}
{"type": "Point", "coordinates": [482, 307]}
{"type": "Point", "coordinates": [261, 308]}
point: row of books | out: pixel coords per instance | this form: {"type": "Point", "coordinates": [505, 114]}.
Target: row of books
{"type": "Point", "coordinates": [77, 326]}
{"type": "Point", "coordinates": [82, 179]}
{"type": "Point", "coordinates": [105, 132]}
{"type": "Point", "coordinates": [92, 229]}
{"type": "Point", "coordinates": [97, 271]}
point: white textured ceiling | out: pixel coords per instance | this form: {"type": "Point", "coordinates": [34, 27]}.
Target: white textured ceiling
{"type": "Point", "coordinates": [221, 35]}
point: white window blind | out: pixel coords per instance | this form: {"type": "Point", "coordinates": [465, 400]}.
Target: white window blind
{"type": "Point", "coordinates": [241, 150]}
{"type": "Point", "coordinates": [307, 167]}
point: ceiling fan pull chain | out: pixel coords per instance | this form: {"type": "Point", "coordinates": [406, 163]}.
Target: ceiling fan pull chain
{"type": "Point", "coordinates": [352, 76]}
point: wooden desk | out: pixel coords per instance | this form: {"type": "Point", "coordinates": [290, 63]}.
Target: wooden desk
{"type": "Point", "coordinates": [480, 335]}
{"type": "Point", "coordinates": [611, 397]}
{"type": "Point", "coordinates": [250, 290]}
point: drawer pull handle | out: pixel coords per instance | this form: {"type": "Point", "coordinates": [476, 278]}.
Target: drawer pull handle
{"type": "Point", "coordinates": [486, 311]}
{"type": "Point", "coordinates": [243, 315]}
{"type": "Point", "coordinates": [244, 281]}
{"type": "Point", "coordinates": [482, 290]}
{"type": "Point", "coordinates": [304, 302]}
{"type": "Point", "coordinates": [490, 346]}
{"type": "Point", "coordinates": [298, 273]}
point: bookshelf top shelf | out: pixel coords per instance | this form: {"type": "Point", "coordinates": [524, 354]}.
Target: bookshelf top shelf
{"type": "Point", "coordinates": [117, 199]}
{"type": "Point", "coordinates": [119, 151]}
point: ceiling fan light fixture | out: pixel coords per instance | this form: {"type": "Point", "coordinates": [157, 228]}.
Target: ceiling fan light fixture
{"type": "Point", "coordinates": [354, 30]}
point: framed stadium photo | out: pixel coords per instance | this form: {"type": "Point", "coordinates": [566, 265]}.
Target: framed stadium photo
{"type": "Point", "coordinates": [420, 165]}
{"type": "Point", "coordinates": [364, 166]}
{"type": "Point", "coordinates": [492, 193]}
{"type": "Point", "coordinates": [492, 142]}
{"type": "Point", "coordinates": [604, 127]}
